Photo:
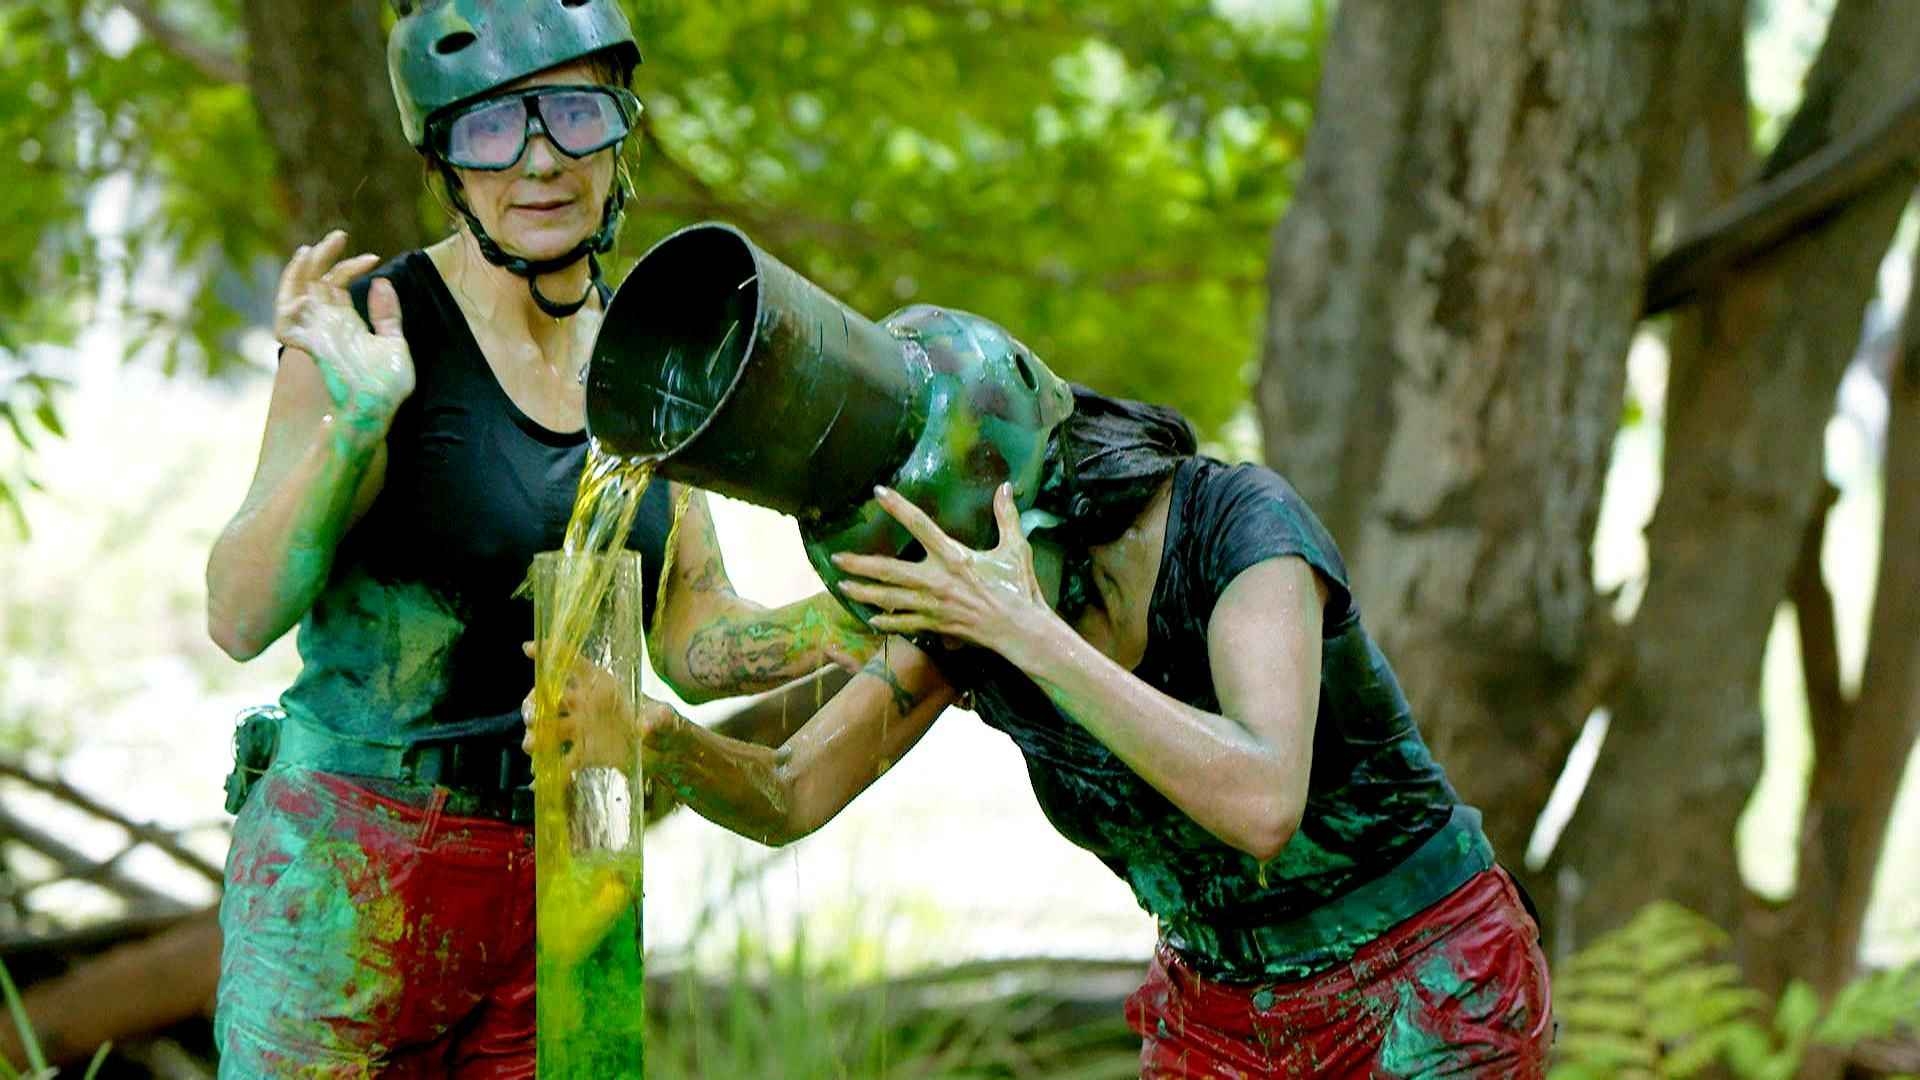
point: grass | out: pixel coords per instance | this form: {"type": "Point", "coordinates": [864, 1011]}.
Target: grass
{"type": "Point", "coordinates": [36, 1066]}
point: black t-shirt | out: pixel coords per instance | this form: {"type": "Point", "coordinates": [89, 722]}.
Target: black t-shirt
{"type": "Point", "coordinates": [1374, 794]}
{"type": "Point", "coordinates": [417, 633]}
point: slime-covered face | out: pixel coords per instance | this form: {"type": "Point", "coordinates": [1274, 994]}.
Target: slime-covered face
{"type": "Point", "coordinates": [989, 406]}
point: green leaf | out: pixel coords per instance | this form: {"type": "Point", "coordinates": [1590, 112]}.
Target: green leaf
{"type": "Point", "coordinates": [1607, 1050]}
{"type": "Point", "coordinates": [1798, 1011]}
{"type": "Point", "coordinates": [11, 502]}
{"type": "Point", "coordinates": [19, 429]}
{"type": "Point", "coordinates": [1748, 1050]}
{"type": "Point", "coordinates": [36, 1061]}
{"type": "Point", "coordinates": [1872, 1006]}
{"type": "Point", "coordinates": [48, 417]}
{"type": "Point", "coordinates": [99, 1059]}
{"type": "Point", "coordinates": [1695, 1055]}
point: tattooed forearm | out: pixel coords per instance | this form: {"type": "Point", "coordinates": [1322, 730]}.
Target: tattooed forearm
{"type": "Point", "coordinates": [712, 575]}
{"type": "Point", "coordinates": [746, 657]}
{"type": "Point", "coordinates": [742, 648]}
{"type": "Point", "coordinates": [879, 669]}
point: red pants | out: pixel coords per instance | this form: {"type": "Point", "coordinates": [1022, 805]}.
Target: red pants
{"type": "Point", "coordinates": [369, 937]}
{"type": "Point", "coordinates": [1458, 990]}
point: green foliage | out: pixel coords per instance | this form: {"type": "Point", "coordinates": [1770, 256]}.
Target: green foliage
{"type": "Point", "coordinates": [829, 1002]}
{"type": "Point", "coordinates": [1101, 177]}
{"type": "Point", "coordinates": [84, 101]}
{"type": "Point", "coordinates": [27, 412]}
{"type": "Point", "coordinates": [796, 1014]}
{"type": "Point", "coordinates": [37, 1067]}
{"type": "Point", "coordinates": [1657, 999]}
{"type": "Point", "coordinates": [805, 1012]}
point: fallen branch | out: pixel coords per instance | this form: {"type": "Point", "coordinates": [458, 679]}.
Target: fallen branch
{"type": "Point", "coordinates": [134, 990]}
{"type": "Point", "coordinates": [91, 938]}
{"type": "Point", "coordinates": [143, 832]}
{"type": "Point", "coordinates": [81, 865]}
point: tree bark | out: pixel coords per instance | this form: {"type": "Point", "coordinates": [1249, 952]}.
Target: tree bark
{"type": "Point", "coordinates": [319, 81]}
{"type": "Point", "coordinates": [1862, 751]}
{"type": "Point", "coordinates": [1751, 386]}
{"type": "Point", "coordinates": [1789, 204]}
{"type": "Point", "coordinates": [1452, 295]}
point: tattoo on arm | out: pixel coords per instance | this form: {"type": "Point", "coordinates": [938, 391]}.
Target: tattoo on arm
{"type": "Point", "coordinates": [712, 575]}
{"type": "Point", "coordinates": [745, 656]}
{"type": "Point", "coordinates": [902, 698]}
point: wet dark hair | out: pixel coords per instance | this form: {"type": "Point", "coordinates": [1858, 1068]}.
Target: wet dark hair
{"type": "Point", "coordinates": [1105, 462]}
{"type": "Point", "coordinates": [1103, 466]}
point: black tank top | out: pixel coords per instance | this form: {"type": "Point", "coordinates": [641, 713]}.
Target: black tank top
{"type": "Point", "coordinates": [417, 633]}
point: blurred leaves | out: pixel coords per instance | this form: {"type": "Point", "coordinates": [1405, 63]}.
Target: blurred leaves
{"type": "Point", "coordinates": [1658, 998]}
{"type": "Point", "coordinates": [1099, 176]}
{"type": "Point", "coordinates": [28, 414]}
{"type": "Point", "coordinates": [822, 1004]}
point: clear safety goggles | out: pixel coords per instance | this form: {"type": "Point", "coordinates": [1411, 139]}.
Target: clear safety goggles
{"type": "Point", "coordinates": [492, 133]}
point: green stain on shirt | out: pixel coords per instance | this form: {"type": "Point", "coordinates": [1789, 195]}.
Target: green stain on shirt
{"type": "Point", "coordinates": [374, 658]}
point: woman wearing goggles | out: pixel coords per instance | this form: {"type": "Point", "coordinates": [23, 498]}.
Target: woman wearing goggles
{"type": "Point", "coordinates": [492, 134]}
{"type": "Point", "coordinates": [424, 442]}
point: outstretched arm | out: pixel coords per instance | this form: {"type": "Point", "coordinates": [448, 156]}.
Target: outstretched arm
{"type": "Point", "coordinates": [778, 795]}
{"type": "Point", "coordinates": [773, 795]}
{"type": "Point", "coordinates": [709, 642]}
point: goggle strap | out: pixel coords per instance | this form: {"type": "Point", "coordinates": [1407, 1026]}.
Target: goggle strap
{"type": "Point", "coordinates": [531, 269]}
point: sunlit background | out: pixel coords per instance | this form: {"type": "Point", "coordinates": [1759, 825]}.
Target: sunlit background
{"type": "Point", "coordinates": [108, 679]}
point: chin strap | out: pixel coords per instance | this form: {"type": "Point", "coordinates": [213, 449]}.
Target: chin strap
{"type": "Point", "coordinates": [532, 269]}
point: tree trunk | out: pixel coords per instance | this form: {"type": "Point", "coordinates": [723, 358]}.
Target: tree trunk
{"type": "Point", "coordinates": [1750, 389]}
{"type": "Point", "coordinates": [1862, 748]}
{"type": "Point", "coordinates": [1453, 293]}
{"type": "Point", "coordinates": [342, 160]}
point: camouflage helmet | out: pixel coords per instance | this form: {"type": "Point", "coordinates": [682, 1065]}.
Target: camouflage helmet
{"type": "Point", "coordinates": [443, 52]}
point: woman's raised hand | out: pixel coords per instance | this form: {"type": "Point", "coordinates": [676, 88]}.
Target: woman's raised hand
{"type": "Point", "coordinates": [368, 372]}
{"type": "Point", "coordinates": [989, 598]}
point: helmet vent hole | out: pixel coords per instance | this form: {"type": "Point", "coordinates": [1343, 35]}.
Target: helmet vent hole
{"type": "Point", "coordinates": [575, 3]}
{"type": "Point", "coordinates": [453, 43]}
{"type": "Point", "coordinates": [1026, 371]}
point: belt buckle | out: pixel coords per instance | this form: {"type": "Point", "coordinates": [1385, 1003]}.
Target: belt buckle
{"type": "Point", "coordinates": [481, 776]}
{"type": "Point", "coordinates": [424, 763]}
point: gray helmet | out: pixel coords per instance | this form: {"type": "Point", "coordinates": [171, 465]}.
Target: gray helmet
{"type": "Point", "coordinates": [443, 52]}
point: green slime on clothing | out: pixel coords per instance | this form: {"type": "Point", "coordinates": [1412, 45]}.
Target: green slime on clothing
{"type": "Point", "coordinates": [1409, 1049]}
{"type": "Point", "coordinates": [374, 659]}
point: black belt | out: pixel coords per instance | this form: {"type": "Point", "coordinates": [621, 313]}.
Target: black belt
{"type": "Point", "coordinates": [485, 776]}
{"type": "Point", "coordinates": [1315, 940]}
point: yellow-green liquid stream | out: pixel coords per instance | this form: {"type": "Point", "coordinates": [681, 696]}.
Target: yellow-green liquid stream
{"type": "Point", "coordinates": [589, 982]}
